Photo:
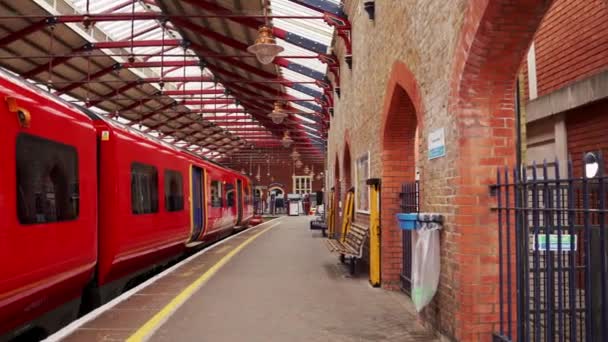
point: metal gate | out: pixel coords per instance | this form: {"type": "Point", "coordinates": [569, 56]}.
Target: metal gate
{"type": "Point", "coordinates": [552, 254]}
{"type": "Point", "coordinates": [409, 199]}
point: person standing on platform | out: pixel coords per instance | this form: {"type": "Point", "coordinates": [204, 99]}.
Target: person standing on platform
{"type": "Point", "coordinates": [306, 202]}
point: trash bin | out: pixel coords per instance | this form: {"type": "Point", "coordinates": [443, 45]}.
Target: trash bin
{"type": "Point", "coordinates": [407, 221]}
{"type": "Point", "coordinates": [426, 262]}
{"type": "Point", "coordinates": [294, 208]}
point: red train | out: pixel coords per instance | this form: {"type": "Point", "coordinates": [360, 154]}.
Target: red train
{"type": "Point", "coordinates": [87, 205]}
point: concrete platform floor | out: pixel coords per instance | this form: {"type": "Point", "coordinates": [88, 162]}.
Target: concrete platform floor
{"type": "Point", "coordinates": [282, 286]}
{"type": "Point", "coordinates": [286, 286]}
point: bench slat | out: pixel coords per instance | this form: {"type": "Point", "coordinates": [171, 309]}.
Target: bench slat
{"type": "Point", "coordinates": [353, 243]}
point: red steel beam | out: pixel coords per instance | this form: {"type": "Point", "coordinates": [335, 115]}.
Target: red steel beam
{"type": "Point", "coordinates": [197, 102]}
{"type": "Point", "coordinates": [197, 29]}
{"type": "Point", "coordinates": [119, 6]}
{"type": "Point", "coordinates": [250, 22]}
{"type": "Point", "coordinates": [55, 61]}
{"type": "Point", "coordinates": [144, 31]}
{"type": "Point", "coordinates": [179, 79]}
{"type": "Point", "coordinates": [158, 64]}
{"type": "Point", "coordinates": [118, 66]}
{"type": "Point", "coordinates": [95, 75]}
{"type": "Point", "coordinates": [153, 112]}
{"type": "Point", "coordinates": [134, 105]}
{"type": "Point", "coordinates": [128, 16]}
{"type": "Point", "coordinates": [212, 111]}
{"type": "Point", "coordinates": [100, 45]}
{"type": "Point", "coordinates": [159, 53]}
{"type": "Point", "coordinates": [193, 92]}
{"type": "Point", "coordinates": [207, 102]}
{"type": "Point", "coordinates": [219, 70]}
{"type": "Point", "coordinates": [109, 95]}
{"type": "Point", "coordinates": [234, 123]}
{"type": "Point", "coordinates": [39, 25]}
{"type": "Point", "coordinates": [222, 118]}
{"type": "Point", "coordinates": [123, 44]}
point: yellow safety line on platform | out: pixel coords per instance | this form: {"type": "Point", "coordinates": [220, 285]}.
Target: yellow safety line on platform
{"type": "Point", "coordinates": [155, 322]}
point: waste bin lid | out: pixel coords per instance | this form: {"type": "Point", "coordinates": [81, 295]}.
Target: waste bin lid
{"type": "Point", "coordinates": [407, 216]}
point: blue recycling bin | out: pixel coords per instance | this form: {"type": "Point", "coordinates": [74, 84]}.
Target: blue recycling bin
{"type": "Point", "coordinates": [407, 221]}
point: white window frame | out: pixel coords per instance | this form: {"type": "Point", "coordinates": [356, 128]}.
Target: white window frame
{"type": "Point", "coordinates": [298, 189]}
{"type": "Point", "coordinates": [366, 154]}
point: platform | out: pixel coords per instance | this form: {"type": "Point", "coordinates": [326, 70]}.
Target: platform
{"type": "Point", "coordinates": [274, 282]}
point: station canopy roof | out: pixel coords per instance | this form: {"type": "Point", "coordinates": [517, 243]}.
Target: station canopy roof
{"type": "Point", "coordinates": [181, 71]}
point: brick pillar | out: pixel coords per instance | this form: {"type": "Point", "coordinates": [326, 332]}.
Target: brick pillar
{"type": "Point", "coordinates": [398, 136]}
{"type": "Point", "coordinates": [493, 41]}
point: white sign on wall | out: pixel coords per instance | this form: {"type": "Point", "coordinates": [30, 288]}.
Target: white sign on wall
{"type": "Point", "coordinates": [437, 144]}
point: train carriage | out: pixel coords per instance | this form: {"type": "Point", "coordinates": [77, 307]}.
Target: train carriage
{"type": "Point", "coordinates": [88, 204]}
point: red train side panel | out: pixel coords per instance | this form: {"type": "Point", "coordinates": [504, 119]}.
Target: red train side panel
{"type": "Point", "coordinates": [136, 233]}
{"type": "Point", "coordinates": [48, 204]}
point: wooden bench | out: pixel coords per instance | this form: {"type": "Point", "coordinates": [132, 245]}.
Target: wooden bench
{"type": "Point", "coordinates": [351, 246]}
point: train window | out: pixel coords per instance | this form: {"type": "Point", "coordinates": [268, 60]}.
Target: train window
{"type": "Point", "coordinates": [216, 194]}
{"type": "Point", "coordinates": [144, 189]}
{"type": "Point", "coordinates": [47, 181]}
{"type": "Point", "coordinates": [174, 195]}
{"type": "Point", "coordinates": [230, 195]}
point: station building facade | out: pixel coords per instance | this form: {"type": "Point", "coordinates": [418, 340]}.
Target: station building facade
{"type": "Point", "coordinates": [450, 69]}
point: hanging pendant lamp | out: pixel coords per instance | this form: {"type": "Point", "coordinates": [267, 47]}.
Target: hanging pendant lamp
{"type": "Point", "coordinates": [287, 140]}
{"type": "Point", "coordinates": [265, 48]}
{"type": "Point", "coordinates": [278, 113]}
{"type": "Point", "coordinates": [295, 155]}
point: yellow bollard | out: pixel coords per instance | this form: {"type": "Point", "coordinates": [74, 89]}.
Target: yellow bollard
{"type": "Point", "coordinates": [374, 231]}
{"type": "Point", "coordinates": [331, 212]}
{"type": "Point", "coordinates": [348, 213]}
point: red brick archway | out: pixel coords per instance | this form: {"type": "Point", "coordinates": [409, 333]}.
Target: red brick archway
{"type": "Point", "coordinates": [346, 168]}
{"type": "Point", "coordinates": [401, 115]}
{"type": "Point", "coordinates": [337, 192]}
{"type": "Point", "coordinates": [493, 41]}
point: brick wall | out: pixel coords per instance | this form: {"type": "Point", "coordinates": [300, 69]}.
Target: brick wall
{"type": "Point", "coordinates": [587, 127]}
{"type": "Point", "coordinates": [571, 43]}
{"type": "Point", "coordinates": [400, 35]}
{"type": "Point", "coordinates": [438, 64]}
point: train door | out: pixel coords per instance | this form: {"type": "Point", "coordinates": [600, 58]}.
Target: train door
{"type": "Point", "coordinates": [197, 212]}
{"type": "Point", "coordinates": [239, 201]}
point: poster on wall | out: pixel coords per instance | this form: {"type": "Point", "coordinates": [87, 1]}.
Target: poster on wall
{"type": "Point", "coordinates": [437, 143]}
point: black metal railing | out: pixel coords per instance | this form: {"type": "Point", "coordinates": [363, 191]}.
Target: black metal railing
{"type": "Point", "coordinates": [409, 199]}
{"type": "Point", "coordinates": [552, 254]}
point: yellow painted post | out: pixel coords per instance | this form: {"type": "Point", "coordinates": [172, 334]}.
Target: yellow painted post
{"type": "Point", "coordinates": [331, 215]}
{"type": "Point", "coordinates": [348, 214]}
{"type": "Point", "coordinates": [374, 231]}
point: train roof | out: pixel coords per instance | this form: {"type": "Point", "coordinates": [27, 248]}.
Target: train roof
{"type": "Point", "coordinates": [95, 116]}
{"type": "Point", "coordinates": [15, 79]}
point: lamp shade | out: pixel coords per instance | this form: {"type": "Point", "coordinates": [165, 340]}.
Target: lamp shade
{"type": "Point", "coordinates": [265, 47]}
{"type": "Point", "coordinates": [286, 141]}
{"type": "Point", "coordinates": [278, 114]}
